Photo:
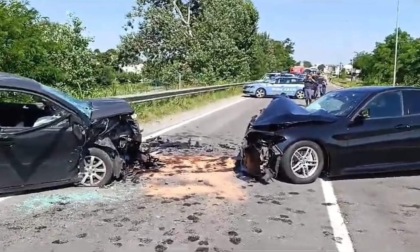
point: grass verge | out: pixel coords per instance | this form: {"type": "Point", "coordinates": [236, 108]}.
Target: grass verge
{"type": "Point", "coordinates": [157, 109]}
{"type": "Point", "coordinates": [128, 89]}
{"type": "Point", "coordinates": [346, 83]}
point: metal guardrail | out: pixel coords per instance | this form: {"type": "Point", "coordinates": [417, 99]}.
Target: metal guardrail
{"type": "Point", "coordinates": [155, 96]}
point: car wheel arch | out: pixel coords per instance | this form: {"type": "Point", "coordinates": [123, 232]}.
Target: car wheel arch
{"type": "Point", "coordinates": [320, 143]}
{"type": "Point", "coordinates": [102, 155]}
{"type": "Point", "coordinates": [293, 170]}
{"type": "Point", "coordinates": [106, 145]}
{"type": "Point", "coordinates": [262, 89]}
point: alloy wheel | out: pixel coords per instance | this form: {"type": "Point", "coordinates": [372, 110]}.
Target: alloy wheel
{"type": "Point", "coordinates": [300, 94]}
{"type": "Point", "coordinates": [95, 171]}
{"type": "Point", "coordinates": [260, 93]}
{"type": "Point", "coordinates": [304, 162]}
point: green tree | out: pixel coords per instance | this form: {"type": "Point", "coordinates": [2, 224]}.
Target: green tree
{"type": "Point", "coordinates": [321, 67]}
{"type": "Point", "coordinates": [23, 48]}
{"type": "Point", "coordinates": [307, 64]}
{"type": "Point", "coordinates": [52, 53]}
{"type": "Point", "coordinates": [71, 54]}
{"type": "Point", "coordinates": [205, 40]}
{"type": "Point", "coordinates": [364, 62]}
{"type": "Point", "coordinates": [378, 67]}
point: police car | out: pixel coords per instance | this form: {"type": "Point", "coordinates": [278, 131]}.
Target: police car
{"type": "Point", "coordinates": [286, 86]}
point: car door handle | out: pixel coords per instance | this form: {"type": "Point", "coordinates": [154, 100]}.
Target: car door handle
{"type": "Point", "coordinates": [402, 126]}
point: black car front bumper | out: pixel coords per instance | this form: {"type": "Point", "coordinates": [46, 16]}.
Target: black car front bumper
{"type": "Point", "coordinates": [259, 156]}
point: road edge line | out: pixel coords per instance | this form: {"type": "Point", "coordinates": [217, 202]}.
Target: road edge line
{"type": "Point", "coordinates": [178, 125]}
{"type": "Point", "coordinates": [336, 218]}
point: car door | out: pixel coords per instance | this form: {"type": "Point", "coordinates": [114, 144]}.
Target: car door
{"type": "Point", "coordinates": [282, 86]}
{"type": "Point", "coordinates": [378, 141]}
{"type": "Point", "coordinates": [292, 86]}
{"type": "Point", "coordinates": [275, 87]}
{"type": "Point", "coordinates": [411, 100]}
{"type": "Point", "coordinates": [44, 153]}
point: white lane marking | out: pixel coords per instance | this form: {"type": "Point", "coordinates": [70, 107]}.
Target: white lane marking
{"type": "Point", "coordinates": [336, 219]}
{"type": "Point", "coordinates": [175, 126]}
{"type": "Point", "coordinates": [178, 125]}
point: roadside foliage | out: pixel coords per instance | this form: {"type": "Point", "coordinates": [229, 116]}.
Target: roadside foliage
{"type": "Point", "coordinates": [202, 42]}
{"type": "Point", "coordinates": [207, 41]}
{"type": "Point", "coordinates": [377, 67]}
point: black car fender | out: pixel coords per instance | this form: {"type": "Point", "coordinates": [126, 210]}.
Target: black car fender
{"type": "Point", "coordinates": [107, 145]}
{"type": "Point", "coordinates": [315, 140]}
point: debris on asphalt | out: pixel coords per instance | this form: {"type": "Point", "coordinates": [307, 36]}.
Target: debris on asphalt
{"type": "Point", "coordinates": [60, 241]}
{"type": "Point", "coordinates": [193, 238]}
{"type": "Point", "coordinates": [56, 203]}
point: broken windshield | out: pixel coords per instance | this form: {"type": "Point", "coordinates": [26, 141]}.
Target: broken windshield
{"type": "Point", "coordinates": [338, 103]}
{"type": "Point", "coordinates": [82, 106]}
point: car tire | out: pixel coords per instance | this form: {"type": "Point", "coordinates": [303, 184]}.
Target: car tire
{"type": "Point", "coordinates": [97, 161]}
{"type": "Point", "coordinates": [260, 93]}
{"type": "Point", "coordinates": [312, 166]}
{"type": "Point", "coordinates": [300, 94]}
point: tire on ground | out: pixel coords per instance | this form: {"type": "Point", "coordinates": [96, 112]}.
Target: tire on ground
{"type": "Point", "coordinates": [261, 90]}
{"type": "Point", "coordinates": [285, 164]}
{"type": "Point", "coordinates": [301, 94]}
{"type": "Point", "coordinates": [109, 165]}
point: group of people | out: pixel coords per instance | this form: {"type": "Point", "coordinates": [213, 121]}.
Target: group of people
{"type": "Point", "coordinates": [315, 86]}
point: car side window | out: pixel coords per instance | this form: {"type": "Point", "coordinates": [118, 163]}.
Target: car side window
{"type": "Point", "coordinates": [411, 102]}
{"type": "Point", "coordinates": [281, 81]}
{"type": "Point", "coordinates": [385, 105]}
{"type": "Point", "coordinates": [22, 110]}
{"type": "Point", "coordinates": [285, 81]}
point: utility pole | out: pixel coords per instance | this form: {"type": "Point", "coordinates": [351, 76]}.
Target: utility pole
{"type": "Point", "coordinates": [396, 44]}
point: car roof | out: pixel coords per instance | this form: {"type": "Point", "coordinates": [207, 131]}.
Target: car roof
{"type": "Point", "coordinates": [377, 89]}
{"type": "Point", "coordinates": [8, 80]}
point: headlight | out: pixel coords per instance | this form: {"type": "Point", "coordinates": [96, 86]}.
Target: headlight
{"type": "Point", "coordinates": [134, 116]}
{"type": "Point", "coordinates": [249, 86]}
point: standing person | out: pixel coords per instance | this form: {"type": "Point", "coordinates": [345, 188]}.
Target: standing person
{"type": "Point", "coordinates": [317, 86]}
{"type": "Point", "coordinates": [322, 85]}
{"type": "Point", "coordinates": [308, 89]}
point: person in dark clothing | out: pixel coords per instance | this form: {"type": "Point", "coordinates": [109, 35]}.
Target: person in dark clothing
{"type": "Point", "coordinates": [309, 88]}
{"type": "Point", "coordinates": [323, 86]}
{"type": "Point", "coordinates": [316, 86]}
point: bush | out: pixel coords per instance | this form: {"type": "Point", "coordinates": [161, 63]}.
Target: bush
{"type": "Point", "coordinates": [128, 78]}
{"type": "Point", "coordinates": [105, 76]}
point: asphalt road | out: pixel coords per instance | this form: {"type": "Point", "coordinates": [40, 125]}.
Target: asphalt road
{"type": "Point", "coordinates": [197, 204]}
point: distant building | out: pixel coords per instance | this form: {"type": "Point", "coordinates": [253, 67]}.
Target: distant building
{"type": "Point", "coordinates": [132, 68]}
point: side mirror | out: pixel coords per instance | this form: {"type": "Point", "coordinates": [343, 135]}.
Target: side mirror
{"type": "Point", "coordinates": [364, 113]}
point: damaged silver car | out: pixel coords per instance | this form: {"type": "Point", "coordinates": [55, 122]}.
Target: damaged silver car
{"type": "Point", "coordinates": [48, 138]}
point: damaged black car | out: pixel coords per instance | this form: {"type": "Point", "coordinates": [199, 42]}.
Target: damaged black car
{"type": "Point", "coordinates": [48, 138]}
{"type": "Point", "coordinates": [345, 132]}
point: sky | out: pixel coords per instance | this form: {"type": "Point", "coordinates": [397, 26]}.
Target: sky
{"type": "Point", "coordinates": [324, 31]}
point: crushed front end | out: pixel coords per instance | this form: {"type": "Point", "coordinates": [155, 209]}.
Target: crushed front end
{"type": "Point", "coordinates": [121, 137]}
{"type": "Point", "coordinates": [259, 154]}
